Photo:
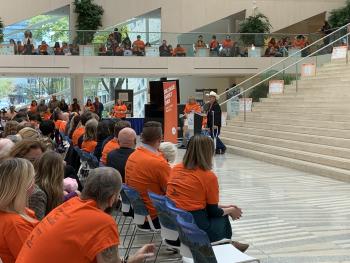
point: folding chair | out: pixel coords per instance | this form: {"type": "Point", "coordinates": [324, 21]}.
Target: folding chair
{"type": "Point", "coordinates": [202, 251]}
{"type": "Point", "coordinates": [141, 215]}
{"type": "Point", "coordinates": [169, 233]}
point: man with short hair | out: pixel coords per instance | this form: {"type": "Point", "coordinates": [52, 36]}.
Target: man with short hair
{"type": "Point", "coordinates": [82, 229]}
{"type": "Point", "coordinates": [146, 169]}
{"type": "Point", "coordinates": [118, 158]}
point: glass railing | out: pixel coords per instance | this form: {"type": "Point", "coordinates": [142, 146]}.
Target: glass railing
{"type": "Point", "coordinates": [108, 43]}
{"type": "Point", "coordinates": [286, 75]}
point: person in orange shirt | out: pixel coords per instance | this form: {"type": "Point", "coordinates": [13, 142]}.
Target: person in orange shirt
{"type": "Point", "coordinates": [191, 107]}
{"type": "Point", "coordinates": [33, 106]}
{"type": "Point", "coordinates": [195, 188]}
{"type": "Point", "coordinates": [43, 48]}
{"type": "Point", "coordinates": [79, 131]}
{"type": "Point", "coordinates": [179, 51]}
{"type": "Point", "coordinates": [227, 46]}
{"type": "Point", "coordinates": [113, 144]}
{"type": "Point", "coordinates": [147, 170]}
{"type": "Point", "coordinates": [90, 136]}
{"type": "Point", "coordinates": [16, 221]}
{"type": "Point", "coordinates": [82, 229]}
{"type": "Point", "coordinates": [89, 106]}
{"type": "Point", "coordinates": [214, 45]}
{"type": "Point", "coordinates": [120, 110]}
{"type": "Point", "coordinates": [138, 47]}
{"type": "Point", "coordinates": [46, 115]}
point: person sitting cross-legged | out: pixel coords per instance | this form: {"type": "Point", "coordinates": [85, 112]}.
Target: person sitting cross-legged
{"type": "Point", "coordinates": [82, 229]}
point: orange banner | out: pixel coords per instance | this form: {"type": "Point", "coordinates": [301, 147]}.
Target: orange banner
{"type": "Point", "coordinates": [170, 112]}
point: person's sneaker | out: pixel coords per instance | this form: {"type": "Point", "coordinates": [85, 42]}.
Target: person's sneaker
{"type": "Point", "coordinates": [240, 246]}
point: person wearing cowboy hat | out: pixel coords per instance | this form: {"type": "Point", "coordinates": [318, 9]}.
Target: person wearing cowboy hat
{"type": "Point", "coordinates": [214, 118]}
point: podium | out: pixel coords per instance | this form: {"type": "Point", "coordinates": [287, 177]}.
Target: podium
{"type": "Point", "coordinates": [195, 121]}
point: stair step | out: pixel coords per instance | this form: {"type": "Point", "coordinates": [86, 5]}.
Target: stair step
{"type": "Point", "coordinates": [264, 143]}
{"type": "Point", "coordinates": [310, 123]}
{"type": "Point", "coordinates": [291, 128]}
{"type": "Point", "coordinates": [331, 172]}
{"type": "Point", "coordinates": [300, 110]}
{"type": "Point", "coordinates": [287, 135]}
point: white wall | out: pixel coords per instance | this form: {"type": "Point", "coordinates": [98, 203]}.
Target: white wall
{"type": "Point", "coordinates": [188, 85]}
{"type": "Point", "coordinates": [180, 15]}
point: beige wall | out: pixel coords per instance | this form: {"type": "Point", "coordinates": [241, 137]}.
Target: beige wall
{"type": "Point", "coordinates": [180, 15]}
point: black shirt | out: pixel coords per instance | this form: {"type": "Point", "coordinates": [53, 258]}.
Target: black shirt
{"type": "Point", "coordinates": [118, 158]}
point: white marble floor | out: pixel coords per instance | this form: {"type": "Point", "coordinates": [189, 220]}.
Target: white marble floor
{"type": "Point", "coordinates": [288, 215]}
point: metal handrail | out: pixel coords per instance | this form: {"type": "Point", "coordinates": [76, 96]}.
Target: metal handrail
{"type": "Point", "coordinates": [285, 68]}
{"type": "Point", "coordinates": [278, 63]}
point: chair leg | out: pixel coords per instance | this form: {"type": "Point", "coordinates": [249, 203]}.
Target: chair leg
{"type": "Point", "coordinates": [160, 246]}
{"type": "Point", "coordinates": [131, 242]}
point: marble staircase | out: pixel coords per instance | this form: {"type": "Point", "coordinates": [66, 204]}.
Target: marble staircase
{"type": "Point", "coordinates": [307, 130]}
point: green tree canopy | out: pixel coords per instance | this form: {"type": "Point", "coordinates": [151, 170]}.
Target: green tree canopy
{"type": "Point", "coordinates": [49, 28]}
{"type": "Point", "coordinates": [6, 87]}
{"type": "Point", "coordinates": [341, 16]}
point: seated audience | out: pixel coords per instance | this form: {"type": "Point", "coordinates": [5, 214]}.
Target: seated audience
{"type": "Point", "coordinates": [179, 51]}
{"type": "Point", "coordinates": [227, 46]}
{"type": "Point", "coordinates": [43, 48]}
{"type": "Point", "coordinates": [29, 133]}
{"type": "Point", "coordinates": [138, 47]}
{"type": "Point", "coordinates": [118, 158]}
{"type": "Point", "coordinates": [164, 50]}
{"type": "Point", "coordinates": [84, 118]}
{"type": "Point", "coordinates": [214, 45]}
{"type": "Point", "coordinates": [194, 188]}
{"type": "Point", "coordinates": [11, 114]}
{"type": "Point", "coordinates": [127, 51]}
{"type": "Point", "coordinates": [90, 136]}
{"type": "Point", "coordinates": [147, 170]}
{"type": "Point", "coordinates": [111, 45]}
{"type": "Point", "coordinates": [65, 49]}
{"type": "Point", "coordinates": [200, 43]}
{"type": "Point", "coordinates": [169, 151]}
{"type": "Point", "coordinates": [20, 48]}
{"type": "Point", "coordinates": [117, 35]}
{"type": "Point", "coordinates": [6, 146]}
{"type": "Point", "coordinates": [47, 129]}
{"type": "Point", "coordinates": [57, 49]}
{"type": "Point", "coordinates": [119, 51]}
{"type": "Point", "coordinates": [73, 125]}
{"type": "Point", "coordinates": [48, 190]}
{"type": "Point", "coordinates": [28, 149]}
{"type": "Point", "coordinates": [84, 230]}
{"type": "Point", "coordinates": [103, 132]}
{"type": "Point", "coordinates": [16, 221]}
{"type": "Point", "coordinates": [113, 144]}
{"type": "Point", "coordinates": [15, 50]}
{"type": "Point", "coordinates": [11, 128]}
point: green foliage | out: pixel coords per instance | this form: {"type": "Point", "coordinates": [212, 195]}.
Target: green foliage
{"type": "Point", "coordinates": [6, 87]}
{"type": "Point", "coordinates": [89, 18]}
{"type": "Point", "coordinates": [50, 29]}
{"type": "Point", "coordinates": [254, 24]}
{"type": "Point", "coordinates": [1, 32]}
{"type": "Point", "coordinates": [341, 16]}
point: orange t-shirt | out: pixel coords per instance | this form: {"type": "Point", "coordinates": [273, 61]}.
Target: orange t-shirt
{"type": "Point", "coordinates": [110, 146]}
{"type": "Point", "coordinates": [89, 146]}
{"type": "Point", "coordinates": [60, 125]}
{"type": "Point", "coordinates": [47, 116]}
{"type": "Point", "coordinates": [33, 109]}
{"type": "Point", "coordinates": [147, 171]}
{"type": "Point", "coordinates": [76, 231]}
{"type": "Point", "coordinates": [192, 107]}
{"type": "Point", "coordinates": [192, 190]}
{"type": "Point", "coordinates": [227, 43]}
{"type": "Point", "coordinates": [77, 134]}
{"type": "Point", "coordinates": [120, 108]}
{"type": "Point", "coordinates": [138, 44]}
{"type": "Point", "coordinates": [14, 230]}
{"type": "Point", "coordinates": [90, 108]}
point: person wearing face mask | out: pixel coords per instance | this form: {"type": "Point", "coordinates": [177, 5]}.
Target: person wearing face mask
{"type": "Point", "coordinates": [82, 229]}
{"type": "Point", "coordinates": [16, 221]}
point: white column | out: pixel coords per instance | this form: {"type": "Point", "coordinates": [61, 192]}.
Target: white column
{"type": "Point", "coordinates": [77, 88]}
{"type": "Point", "coordinates": [72, 22]}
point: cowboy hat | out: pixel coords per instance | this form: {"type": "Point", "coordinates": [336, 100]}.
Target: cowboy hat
{"type": "Point", "coordinates": [213, 94]}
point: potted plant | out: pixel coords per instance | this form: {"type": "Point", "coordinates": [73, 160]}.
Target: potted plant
{"type": "Point", "coordinates": [341, 16]}
{"type": "Point", "coordinates": [1, 31]}
{"type": "Point", "coordinates": [89, 18]}
{"type": "Point", "coordinates": [258, 23]}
